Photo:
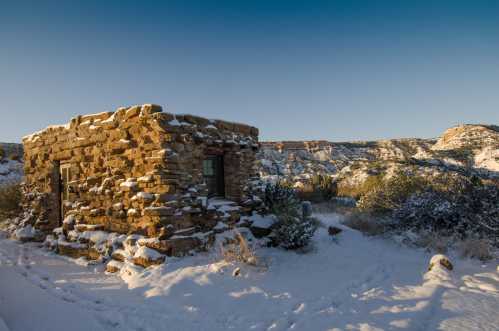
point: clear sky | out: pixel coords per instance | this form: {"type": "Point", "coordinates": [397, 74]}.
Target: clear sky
{"type": "Point", "coordinates": [335, 70]}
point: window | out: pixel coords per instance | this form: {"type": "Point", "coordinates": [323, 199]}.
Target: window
{"type": "Point", "coordinates": [208, 167]}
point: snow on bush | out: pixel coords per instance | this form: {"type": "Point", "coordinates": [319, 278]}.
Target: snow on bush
{"type": "Point", "coordinates": [468, 208]}
{"type": "Point", "coordinates": [294, 228]}
{"type": "Point", "coordinates": [389, 194]}
{"type": "Point", "coordinates": [436, 212]}
{"type": "Point", "coordinates": [294, 232]}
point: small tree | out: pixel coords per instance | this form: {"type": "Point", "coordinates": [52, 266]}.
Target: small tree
{"type": "Point", "coordinates": [280, 198]}
{"type": "Point", "coordinates": [294, 229]}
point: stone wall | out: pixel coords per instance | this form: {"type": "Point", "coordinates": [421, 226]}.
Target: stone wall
{"type": "Point", "coordinates": [137, 170]}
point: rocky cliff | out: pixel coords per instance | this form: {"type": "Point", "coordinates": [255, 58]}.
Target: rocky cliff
{"type": "Point", "coordinates": [11, 166]}
{"type": "Point", "coordinates": [471, 148]}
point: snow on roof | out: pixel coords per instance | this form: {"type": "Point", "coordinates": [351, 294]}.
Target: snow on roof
{"type": "Point", "coordinates": [103, 119]}
{"type": "Point", "coordinates": [32, 136]}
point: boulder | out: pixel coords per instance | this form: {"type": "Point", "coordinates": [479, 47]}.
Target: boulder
{"type": "Point", "coordinates": [74, 250]}
{"type": "Point", "coordinates": [113, 266]}
{"type": "Point", "coordinates": [261, 226]}
{"type": "Point", "coordinates": [146, 257]}
{"type": "Point", "coordinates": [439, 261]}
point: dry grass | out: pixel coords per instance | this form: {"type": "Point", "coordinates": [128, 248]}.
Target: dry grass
{"type": "Point", "coordinates": [364, 223]}
{"type": "Point", "coordinates": [434, 242]}
{"type": "Point", "coordinates": [240, 251]}
{"type": "Point", "coordinates": [475, 248]}
{"type": "Point", "coordinates": [331, 207]}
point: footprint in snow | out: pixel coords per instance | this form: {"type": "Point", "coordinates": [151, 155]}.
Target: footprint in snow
{"type": "Point", "coordinates": [299, 308]}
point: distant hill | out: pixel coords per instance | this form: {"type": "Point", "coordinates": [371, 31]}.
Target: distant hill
{"type": "Point", "coordinates": [471, 147]}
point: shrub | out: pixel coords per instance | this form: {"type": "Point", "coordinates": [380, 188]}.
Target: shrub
{"type": "Point", "coordinates": [465, 208]}
{"type": "Point", "coordinates": [294, 229]}
{"type": "Point", "coordinates": [294, 232]}
{"type": "Point", "coordinates": [280, 198]}
{"type": "Point", "coordinates": [2, 153]}
{"type": "Point", "coordinates": [10, 199]}
{"type": "Point", "coordinates": [356, 191]}
{"type": "Point", "coordinates": [387, 195]}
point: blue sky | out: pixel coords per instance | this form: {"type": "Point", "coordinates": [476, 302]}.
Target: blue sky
{"type": "Point", "coordinates": [335, 70]}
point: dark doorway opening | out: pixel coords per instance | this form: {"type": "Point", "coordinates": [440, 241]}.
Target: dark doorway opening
{"type": "Point", "coordinates": [64, 177]}
{"type": "Point", "coordinates": [213, 173]}
{"type": "Point", "coordinates": [56, 188]}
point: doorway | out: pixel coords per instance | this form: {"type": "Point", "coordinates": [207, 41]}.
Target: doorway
{"type": "Point", "coordinates": [213, 173]}
{"type": "Point", "coordinates": [64, 178]}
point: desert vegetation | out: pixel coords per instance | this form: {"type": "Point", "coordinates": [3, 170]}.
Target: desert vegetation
{"type": "Point", "coordinates": [10, 200]}
{"type": "Point", "coordinates": [440, 210]}
{"type": "Point", "coordinates": [295, 226]}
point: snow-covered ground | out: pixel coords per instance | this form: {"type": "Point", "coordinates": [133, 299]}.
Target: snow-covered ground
{"type": "Point", "coordinates": [354, 283]}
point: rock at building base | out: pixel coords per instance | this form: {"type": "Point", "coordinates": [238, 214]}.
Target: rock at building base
{"type": "Point", "coordinates": [114, 266]}
{"type": "Point", "coordinates": [146, 257]}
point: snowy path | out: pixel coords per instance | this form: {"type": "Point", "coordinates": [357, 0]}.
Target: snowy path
{"type": "Point", "coordinates": [358, 283]}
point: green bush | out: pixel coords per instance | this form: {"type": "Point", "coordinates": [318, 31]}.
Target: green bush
{"type": "Point", "coordinates": [382, 197]}
{"type": "Point", "coordinates": [357, 191]}
{"type": "Point", "coordinates": [280, 198]}
{"type": "Point", "coordinates": [293, 229]}
{"type": "Point", "coordinates": [293, 232]}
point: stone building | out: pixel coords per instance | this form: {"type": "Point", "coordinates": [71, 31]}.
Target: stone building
{"type": "Point", "coordinates": [139, 171]}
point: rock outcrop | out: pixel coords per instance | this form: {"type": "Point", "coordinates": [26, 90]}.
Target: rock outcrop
{"type": "Point", "coordinates": [473, 148]}
{"type": "Point", "coordinates": [11, 163]}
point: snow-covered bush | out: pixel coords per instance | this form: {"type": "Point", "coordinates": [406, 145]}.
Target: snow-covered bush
{"type": "Point", "coordinates": [294, 232]}
{"type": "Point", "coordinates": [294, 229]}
{"type": "Point", "coordinates": [431, 211]}
{"type": "Point", "coordinates": [280, 198]}
{"type": "Point", "coordinates": [467, 207]}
